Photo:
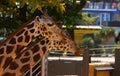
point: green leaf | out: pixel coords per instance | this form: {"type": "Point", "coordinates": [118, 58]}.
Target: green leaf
{"type": "Point", "coordinates": [22, 2]}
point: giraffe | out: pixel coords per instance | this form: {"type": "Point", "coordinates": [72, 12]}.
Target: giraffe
{"type": "Point", "coordinates": [12, 46]}
{"type": "Point", "coordinates": [16, 41]}
{"type": "Point", "coordinates": [32, 55]}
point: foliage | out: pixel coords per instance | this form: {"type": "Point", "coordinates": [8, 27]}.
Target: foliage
{"type": "Point", "coordinates": [106, 33]}
{"type": "Point", "coordinates": [88, 41]}
{"type": "Point", "coordinates": [86, 20]}
{"type": "Point", "coordinates": [15, 12]}
{"type": "Point", "coordinates": [33, 4]}
{"type": "Point", "coordinates": [24, 10]}
{"type": "Point", "coordinates": [7, 26]}
{"type": "Point", "coordinates": [67, 9]}
{"type": "Point", "coordinates": [71, 15]}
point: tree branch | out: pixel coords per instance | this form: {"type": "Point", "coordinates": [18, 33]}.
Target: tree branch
{"type": "Point", "coordinates": [80, 5]}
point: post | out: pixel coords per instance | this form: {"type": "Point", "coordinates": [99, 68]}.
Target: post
{"type": "Point", "coordinates": [85, 63]}
{"type": "Point", "coordinates": [44, 65]}
{"type": "Point", "coordinates": [117, 63]}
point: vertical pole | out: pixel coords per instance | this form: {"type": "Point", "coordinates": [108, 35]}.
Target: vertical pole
{"type": "Point", "coordinates": [31, 71]}
{"type": "Point", "coordinates": [44, 65]}
{"type": "Point", "coordinates": [101, 19]}
{"type": "Point", "coordinates": [117, 63]}
{"type": "Point", "coordinates": [85, 67]}
{"type": "Point", "coordinates": [42, 72]}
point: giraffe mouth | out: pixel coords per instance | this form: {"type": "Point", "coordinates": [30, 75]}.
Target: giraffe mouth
{"type": "Point", "coordinates": [79, 51]}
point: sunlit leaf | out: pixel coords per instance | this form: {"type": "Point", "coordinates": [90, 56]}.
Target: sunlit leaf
{"type": "Point", "coordinates": [62, 7]}
{"type": "Point", "coordinates": [50, 1]}
{"type": "Point", "coordinates": [39, 7]}
{"type": "Point", "coordinates": [1, 9]}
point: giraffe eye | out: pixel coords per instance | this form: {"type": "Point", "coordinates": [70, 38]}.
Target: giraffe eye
{"type": "Point", "coordinates": [50, 24]}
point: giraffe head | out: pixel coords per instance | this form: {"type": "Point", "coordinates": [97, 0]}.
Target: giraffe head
{"type": "Point", "coordinates": [50, 29]}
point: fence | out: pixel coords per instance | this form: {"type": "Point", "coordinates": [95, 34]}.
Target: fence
{"type": "Point", "coordinates": [69, 67]}
{"type": "Point", "coordinates": [117, 63]}
{"type": "Point", "coordinates": [61, 67]}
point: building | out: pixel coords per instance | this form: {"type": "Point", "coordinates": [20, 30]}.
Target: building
{"type": "Point", "coordinates": [106, 10]}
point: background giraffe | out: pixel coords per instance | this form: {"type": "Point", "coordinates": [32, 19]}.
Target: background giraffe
{"type": "Point", "coordinates": [11, 47]}
{"type": "Point", "coordinates": [32, 55]}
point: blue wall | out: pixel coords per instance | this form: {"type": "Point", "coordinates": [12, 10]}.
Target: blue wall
{"type": "Point", "coordinates": [105, 10]}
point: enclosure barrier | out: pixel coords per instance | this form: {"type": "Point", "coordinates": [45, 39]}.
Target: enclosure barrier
{"type": "Point", "coordinates": [77, 68]}
{"type": "Point", "coordinates": [117, 62]}
{"type": "Point", "coordinates": [101, 69]}
{"type": "Point", "coordinates": [69, 67]}
{"type": "Point", "coordinates": [104, 69]}
{"type": "Point", "coordinates": [61, 67]}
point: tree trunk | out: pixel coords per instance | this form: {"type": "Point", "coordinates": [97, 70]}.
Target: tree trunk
{"type": "Point", "coordinates": [71, 33]}
{"type": "Point", "coordinates": [81, 5]}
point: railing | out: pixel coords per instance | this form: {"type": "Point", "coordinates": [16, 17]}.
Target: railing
{"type": "Point", "coordinates": [101, 5]}
{"type": "Point", "coordinates": [35, 70]}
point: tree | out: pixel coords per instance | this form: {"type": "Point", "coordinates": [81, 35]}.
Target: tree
{"type": "Point", "coordinates": [69, 7]}
{"type": "Point", "coordinates": [106, 33]}
{"type": "Point", "coordinates": [19, 11]}
{"type": "Point", "coordinates": [86, 20]}
{"type": "Point", "coordinates": [88, 41]}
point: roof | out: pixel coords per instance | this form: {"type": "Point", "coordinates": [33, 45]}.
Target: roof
{"type": "Point", "coordinates": [87, 27]}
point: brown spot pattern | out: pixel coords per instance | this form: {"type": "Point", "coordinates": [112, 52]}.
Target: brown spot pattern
{"type": "Point", "coordinates": [24, 60]}
{"type": "Point", "coordinates": [19, 33]}
{"type": "Point", "coordinates": [25, 68]}
{"type": "Point", "coordinates": [9, 49]}
{"type": "Point", "coordinates": [13, 41]}
{"type": "Point", "coordinates": [20, 39]}
{"type": "Point", "coordinates": [44, 49]}
{"type": "Point", "coordinates": [30, 26]}
{"type": "Point", "coordinates": [7, 62]}
{"type": "Point", "coordinates": [36, 57]}
{"type": "Point", "coordinates": [1, 50]}
{"type": "Point", "coordinates": [13, 66]}
{"type": "Point", "coordinates": [26, 54]}
{"type": "Point", "coordinates": [35, 49]}
{"type": "Point", "coordinates": [27, 38]}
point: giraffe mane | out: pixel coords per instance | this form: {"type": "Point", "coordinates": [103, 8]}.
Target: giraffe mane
{"type": "Point", "coordinates": [17, 30]}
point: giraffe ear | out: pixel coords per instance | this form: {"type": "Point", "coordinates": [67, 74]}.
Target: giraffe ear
{"type": "Point", "coordinates": [37, 18]}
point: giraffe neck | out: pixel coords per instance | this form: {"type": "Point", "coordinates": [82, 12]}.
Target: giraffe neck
{"type": "Point", "coordinates": [32, 55]}
{"type": "Point", "coordinates": [12, 46]}
{"type": "Point", "coordinates": [28, 58]}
